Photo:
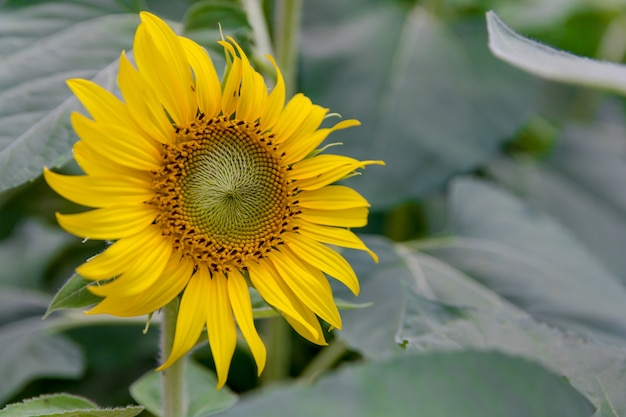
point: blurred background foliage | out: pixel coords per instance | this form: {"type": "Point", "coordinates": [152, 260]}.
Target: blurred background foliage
{"type": "Point", "coordinates": [500, 217]}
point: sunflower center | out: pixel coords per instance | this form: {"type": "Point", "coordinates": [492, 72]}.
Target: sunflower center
{"type": "Point", "coordinates": [222, 194]}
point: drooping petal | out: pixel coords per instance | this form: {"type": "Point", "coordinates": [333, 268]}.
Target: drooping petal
{"type": "Point", "coordinates": [142, 273]}
{"type": "Point", "coordinates": [172, 281]}
{"type": "Point", "coordinates": [94, 191]}
{"type": "Point", "coordinates": [118, 257]}
{"type": "Point", "coordinates": [108, 223]}
{"type": "Point", "coordinates": [273, 289]}
{"type": "Point", "coordinates": [337, 236]}
{"type": "Point", "coordinates": [323, 258]}
{"type": "Point", "coordinates": [192, 315]}
{"type": "Point", "coordinates": [163, 63]}
{"type": "Point", "coordinates": [220, 326]}
{"type": "Point", "coordinates": [242, 307]}
{"type": "Point", "coordinates": [309, 285]}
{"type": "Point", "coordinates": [325, 174]}
{"type": "Point", "coordinates": [315, 166]}
{"type": "Point", "coordinates": [208, 88]}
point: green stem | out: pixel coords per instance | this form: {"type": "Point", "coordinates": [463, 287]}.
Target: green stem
{"type": "Point", "coordinates": [278, 350]}
{"type": "Point", "coordinates": [174, 392]}
{"type": "Point", "coordinates": [324, 360]}
{"type": "Point", "coordinates": [256, 18]}
{"type": "Point", "coordinates": [286, 39]}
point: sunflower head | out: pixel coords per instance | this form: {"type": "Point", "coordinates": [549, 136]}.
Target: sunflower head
{"type": "Point", "coordinates": [207, 188]}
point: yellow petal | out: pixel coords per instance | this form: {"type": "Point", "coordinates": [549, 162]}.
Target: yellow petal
{"type": "Point", "coordinates": [232, 85]}
{"type": "Point", "coordinates": [242, 307]}
{"type": "Point", "coordinates": [337, 236]}
{"type": "Point", "coordinates": [296, 150]}
{"type": "Point", "coordinates": [320, 164]}
{"type": "Point", "coordinates": [220, 326]}
{"type": "Point", "coordinates": [124, 146]}
{"type": "Point", "coordinates": [253, 90]}
{"type": "Point", "coordinates": [353, 217]}
{"type": "Point", "coordinates": [208, 88]}
{"type": "Point", "coordinates": [103, 106]}
{"type": "Point", "coordinates": [143, 103]}
{"type": "Point", "coordinates": [118, 257]}
{"type": "Point", "coordinates": [93, 191]}
{"type": "Point", "coordinates": [303, 325]}
{"type": "Point", "coordinates": [297, 111]}
{"type": "Point", "coordinates": [93, 162]}
{"type": "Point", "coordinates": [309, 284]}
{"type": "Point", "coordinates": [333, 197]}
{"type": "Point", "coordinates": [276, 99]}
{"type": "Point", "coordinates": [146, 268]}
{"type": "Point", "coordinates": [192, 316]}
{"type": "Point", "coordinates": [171, 283]}
{"type": "Point", "coordinates": [273, 289]}
{"type": "Point", "coordinates": [324, 176]}
{"type": "Point", "coordinates": [163, 63]}
{"type": "Point", "coordinates": [108, 223]}
{"type": "Point", "coordinates": [324, 258]}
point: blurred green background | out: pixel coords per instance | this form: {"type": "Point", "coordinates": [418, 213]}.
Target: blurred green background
{"type": "Point", "coordinates": [500, 216]}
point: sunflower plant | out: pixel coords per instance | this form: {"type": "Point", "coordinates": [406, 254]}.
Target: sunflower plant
{"type": "Point", "coordinates": [194, 200]}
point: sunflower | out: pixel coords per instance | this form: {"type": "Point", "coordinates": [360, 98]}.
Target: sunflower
{"type": "Point", "coordinates": [208, 188]}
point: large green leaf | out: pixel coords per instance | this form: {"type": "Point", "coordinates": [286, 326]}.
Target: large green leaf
{"type": "Point", "coordinates": [27, 353]}
{"type": "Point", "coordinates": [41, 46]}
{"type": "Point", "coordinates": [578, 185]}
{"type": "Point", "coordinates": [424, 304]}
{"type": "Point", "coordinates": [432, 100]}
{"type": "Point", "coordinates": [469, 384]}
{"type": "Point", "coordinates": [531, 260]}
{"type": "Point", "coordinates": [64, 405]}
{"type": "Point", "coordinates": [204, 399]}
{"type": "Point", "coordinates": [550, 63]}
{"type": "Point", "coordinates": [36, 242]}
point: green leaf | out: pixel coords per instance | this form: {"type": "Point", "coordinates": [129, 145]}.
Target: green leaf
{"type": "Point", "coordinates": [43, 45]}
{"type": "Point", "coordinates": [468, 384]}
{"type": "Point", "coordinates": [432, 99]}
{"type": "Point", "coordinates": [204, 20]}
{"type": "Point", "coordinates": [64, 405]}
{"type": "Point", "coordinates": [27, 353]}
{"type": "Point", "coordinates": [422, 303]}
{"type": "Point", "coordinates": [73, 294]}
{"type": "Point", "coordinates": [529, 259]}
{"type": "Point", "coordinates": [204, 398]}
{"type": "Point", "coordinates": [35, 241]}
{"type": "Point", "coordinates": [16, 304]}
{"type": "Point", "coordinates": [550, 63]}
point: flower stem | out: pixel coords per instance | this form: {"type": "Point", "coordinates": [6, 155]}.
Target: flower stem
{"type": "Point", "coordinates": [254, 12]}
{"type": "Point", "coordinates": [286, 39]}
{"type": "Point", "coordinates": [324, 360]}
{"type": "Point", "coordinates": [174, 392]}
{"type": "Point", "coordinates": [279, 350]}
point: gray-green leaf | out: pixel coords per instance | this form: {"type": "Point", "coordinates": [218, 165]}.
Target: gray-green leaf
{"type": "Point", "coordinates": [64, 405]}
{"type": "Point", "coordinates": [551, 63]}
{"type": "Point", "coordinates": [468, 384]}
{"type": "Point", "coordinates": [203, 398]}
